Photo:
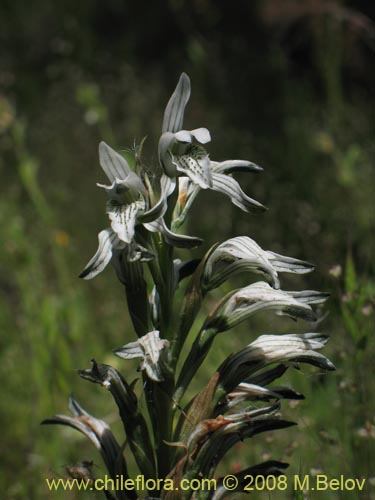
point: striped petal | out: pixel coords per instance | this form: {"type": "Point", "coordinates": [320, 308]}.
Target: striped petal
{"type": "Point", "coordinates": [244, 366]}
{"type": "Point", "coordinates": [284, 264]}
{"type": "Point", "coordinates": [234, 256]}
{"type": "Point", "coordinates": [268, 349]}
{"type": "Point", "coordinates": [173, 239]}
{"type": "Point", "coordinates": [230, 187]}
{"type": "Point", "coordinates": [113, 164]}
{"type": "Point", "coordinates": [151, 349]}
{"type": "Point", "coordinates": [124, 218]}
{"type": "Point", "coordinates": [167, 185]}
{"type": "Point", "coordinates": [221, 183]}
{"type": "Point", "coordinates": [108, 241]}
{"type": "Point", "coordinates": [242, 254]}
{"type": "Point", "coordinates": [195, 163]}
{"type": "Point", "coordinates": [99, 434]}
{"type": "Point", "coordinates": [232, 166]}
{"type": "Point", "coordinates": [175, 109]}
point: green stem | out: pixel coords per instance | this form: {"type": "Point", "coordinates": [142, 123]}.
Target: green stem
{"type": "Point", "coordinates": [163, 280]}
{"type": "Point", "coordinates": [164, 425]}
{"type": "Point", "coordinates": [190, 308]}
{"type": "Point", "coordinates": [160, 394]}
{"type": "Point", "coordinates": [137, 300]}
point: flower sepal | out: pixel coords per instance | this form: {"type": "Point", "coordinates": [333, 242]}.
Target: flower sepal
{"type": "Point", "coordinates": [152, 349]}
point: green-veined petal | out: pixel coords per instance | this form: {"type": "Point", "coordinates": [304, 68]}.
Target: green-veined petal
{"type": "Point", "coordinates": [150, 348]}
{"type": "Point", "coordinates": [234, 256]}
{"type": "Point", "coordinates": [175, 109]}
{"type": "Point", "coordinates": [113, 164]}
{"type": "Point", "coordinates": [260, 296]}
{"type": "Point", "coordinates": [242, 254]}
{"type": "Point", "coordinates": [108, 241]}
{"type": "Point", "coordinates": [230, 187]}
{"type": "Point", "coordinates": [288, 264]}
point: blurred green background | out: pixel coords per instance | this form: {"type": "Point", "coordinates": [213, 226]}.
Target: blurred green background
{"type": "Point", "coordinates": [288, 85]}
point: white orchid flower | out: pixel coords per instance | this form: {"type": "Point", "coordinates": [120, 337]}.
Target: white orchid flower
{"type": "Point", "coordinates": [129, 206]}
{"type": "Point", "coordinates": [181, 154]}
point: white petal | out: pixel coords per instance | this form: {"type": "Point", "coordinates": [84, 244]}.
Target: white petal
{"type": "Point", "coordinates": [279, 348]}
{"type": "Point", "coordinates": [175, 109]}
{"type": "Point", "coordinates": [246, 301]}
{"type": "Point", "coordinates": [113, 164]}
{"type": "Point", "coordinates": [234, 256]}
{"type": "Point", "coordinates": [183, 136]}
{"type": "Point", "coordinates": [230, 187]}
{"type": "Point", "coordinates": [124, 218]}
{"type": "Point", "coordinates": [167, 185]}
{"type": "Point", "coordinates": [201, 135]}
{"type": "Point", "coordinates": [174, 239]}
{"type": "Point", "coordinates": [289, 265]}
{"type": "Point", "coordinates": [230, 166]}
{"type": "Point", "coordinates": [195, 163]}
{"type": "Point", "coordinates": [108, 240]}
{"type": "Point", "coordinates": [150, 348]}
{"type": "Point", "coordinates": [130, 351]}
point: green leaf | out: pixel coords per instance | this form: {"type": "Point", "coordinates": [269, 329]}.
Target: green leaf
{"type": "Point", "coordinates": [102, 438]}
{"type": "Point", "coordinates": [134, 423]}
{"type": "Point", "coordinates": [244, 425]}
{"type": "Point", "coordinates": [349, 321]}
{"type": "Point", "coordinates": [190, 306]}
{"type": "Point", "coordinates": [350, 275]}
